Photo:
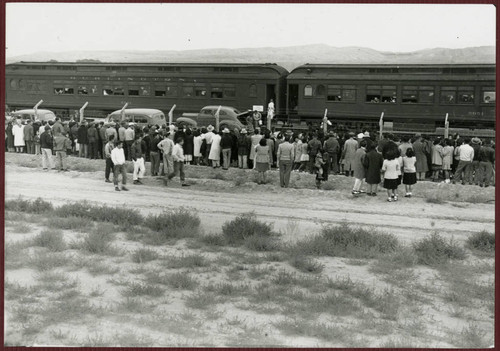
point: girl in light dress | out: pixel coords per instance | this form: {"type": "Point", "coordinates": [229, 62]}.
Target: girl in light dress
{"type": "Point", "coordinates": [391, 168]}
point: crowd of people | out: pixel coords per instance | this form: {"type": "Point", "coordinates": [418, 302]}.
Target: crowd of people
{"type": "Point", "coordinates": [390, 161]}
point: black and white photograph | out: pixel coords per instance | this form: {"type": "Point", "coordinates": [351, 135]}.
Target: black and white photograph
{"type": "Point", "coordinates": [249, 175]}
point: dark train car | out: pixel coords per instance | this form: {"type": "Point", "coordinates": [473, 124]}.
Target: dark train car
{"type": "Point", "coordinates": [412, 97]}
{"type": "Point", "coordinates": [65, 87]}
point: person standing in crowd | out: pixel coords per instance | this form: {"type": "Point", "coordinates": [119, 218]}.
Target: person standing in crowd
{"type": "Point", "coordinates": [409, 171]}
{"type": "Point", "coordinates": [244, 143]}
{"type": "Point", "coordinates": [215, 150]}
{"type": "Point", "coordinates": [61, 144]}
{"type": "Point", "coordinates": [83, 140]}
{"type": "Point", "coordinates": [285, 156]}
{"type": "Point", "coordinates": [390, 168]}
{"type": "Point", "coordinates": [447, 159]}
{"type": "Point", "coordinates": [197, 142]}
{"type": "Point", "coordinates": [321, 168]}
{"type": "Point", "coordinates": [46, 148]}
{"type": "Point", "coordinates": [331, 147]}
{"type": "Point", "coordinates": [208, 141]}
{"type": "Point", "coordinates": [111, 130]}
{"type": "Point", "coordinates": [456, 155]}
{"type": "Point", "coordinates": [92, 138]}
{"type": "Point", "coordinates": [118, 159]}
{"type": "Point", "coordinates": [359, 169]}
{"type": "Point", "coordinates": [486, 162]}
{"type": "Point", "coordinates": [405, 145]}
{"type": "Point", "coordinates": [18, 133]}
{"type": "Point", "coordinates": [146, 141]}
{"type": "Point", "coordinates": [437, 159]}
{"type": "Point", "coordinates": [166, 146]}
{"type": "Point", "coordinates": [226, 145]}
{"type": "Point", "coordinates": [419, 148]}
{"type": "Point", "coordinates": [350, 147]}
{"type": "Point", "coordinates": [465, 163]}
{"type": "Point", "coordinates": [40, 129]}
{"type": "Point", "coordinates": [129, 140]}
{"type": "Point", "coordinates": [178, 157]}
{"type": "Point", "coordinates": [372, 163]}
{"type": "Point", "coordinates": [428, 153]}
{"type": "Point", "coordinates": [57, 128]}
{"type": "Point", "coordinates": [476, 145]}
{"type": "Point", "coordinates": [234, 148]}
{"type": "Point", "coordinates": [73, 135]}
{"type": "Point", "coordinates": [188, 146]}
{"type": "Point", "coordinates": [137, 156]}
{"type": "Point", "coordinates": [297, 151]}
{"type": "Point", "coordinates": [154, 154]}
{"type": "Point", "coordinates": [277, 142]}
{"type": "Point", "coordinates": [263, 160]}
{"type": "Point", "coordinates": [29, 137]}
{"type": "Point", "coordinates": [102, 139]}
{"type": "Point", "coordinates": [314, 145]}
{"type": "Point", "coordinates": [108, 148]}
{"type": "Point", "coordinates": [10, 137]}
{"type": "Point", "coordinates": [304, 155]}
{"type": "Point", "coordinates": [255, 139]}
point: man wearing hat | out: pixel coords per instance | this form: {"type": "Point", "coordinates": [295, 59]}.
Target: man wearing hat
{"type": "Point", "coordinates": [154, 153]}
{"type": "Point", "coordinates": [244, 143]}
{"type": "Point", "coordinates": [332, 146]}
{"type": "Point", "coordinates": [348, 153]}
{"type": "Point", "coordinates": [226, 144]}
{"type": "Point", "coordinates": [476, 145]}
{"type": "Point", "coordinates": [166, 146]}
{"type": "Point", "coordinates": [208, 137]}
{"type": "Point", "coordinates": [465, 163]}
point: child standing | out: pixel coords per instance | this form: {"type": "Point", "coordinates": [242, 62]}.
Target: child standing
{"type": "Point", "coordinates": [390, 167]}
{"type": "Point", "coordinates": [321, 168]}
{"type": "Point", "coordinates": [373, 163]}
{"type": "Point", "coordinates": [410, 172]}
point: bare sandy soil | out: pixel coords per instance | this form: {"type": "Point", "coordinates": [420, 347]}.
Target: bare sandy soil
{"type": "Point", "coordinates": [296, 213]}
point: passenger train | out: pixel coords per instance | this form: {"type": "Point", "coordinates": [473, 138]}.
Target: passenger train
{"type": "Point", "coordinates": [413, 98]}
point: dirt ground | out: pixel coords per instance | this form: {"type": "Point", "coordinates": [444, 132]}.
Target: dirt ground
{"type": "Point", "coordinates": [296, 213]}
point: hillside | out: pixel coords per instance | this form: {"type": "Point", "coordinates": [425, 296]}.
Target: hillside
{"type": "Point", "coordinates": [288, 57]}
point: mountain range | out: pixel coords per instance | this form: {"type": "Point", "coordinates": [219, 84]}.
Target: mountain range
{"type": "Point", "coordinates": [288, 57]}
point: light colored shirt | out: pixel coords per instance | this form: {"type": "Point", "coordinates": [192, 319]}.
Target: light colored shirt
{"type": "Point", "coordinates": [129, 134]}
{"type": "Point", "coordinates": [108, 148]}
{"type": "Point", "coordinates": [208, 137]}
{"type": "Point", "coordinates": [286, 152]}
{"type": "Point", "coordinates": [166, 145]}
{"type": "Point", "coordinates": [409, 164]}
{"type": "Point", "coordinates": [466, 153]}
{"type": "Point", "coordinates": [197, 141]}
{"type": "Point", "coordinates": [121, 133]}
{"type": "Point", "coordinates": [178, 153]}
{"type": "Point", "coordinates": [391, 168]}
{"type": "Point", "coordinates": [118, 156]}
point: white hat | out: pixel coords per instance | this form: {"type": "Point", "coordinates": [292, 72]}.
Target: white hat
{"type": "Point", "coordinates": [210, 128]}
{"type": "Point", "coordinates": [361, 136]}
{"type": "Point", "coordinates": [243, 131]}
{"type": "Point", "coordinates": [225, 130]}
{"type": "Point", "coordinates": [367, 134]}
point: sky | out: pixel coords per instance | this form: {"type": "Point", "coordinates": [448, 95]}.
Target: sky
{"type": "Point", "coordinates": [57, 27]}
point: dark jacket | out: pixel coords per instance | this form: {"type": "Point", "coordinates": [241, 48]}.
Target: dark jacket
{"type": "Point", "coordinates": [331, 146]}
{"type": "Point", "coordinates": [28, 132]}
{"type": "Point", "coordinates": [313, 147]}
{"type": "Point", "coordinates": [46, 140]}
{"type": "Point", "coordinates": [137, 149]}
{"type": "Point", "coordinates": [486, 154]}
{"type": "Point", "coordinates": [244, 143]}
{"type": "Point", "coordinates": [477, 149]}
{"type": "Point", "coordinates": [58, 128]}
{"type": "Point", "coordinates": [153, 145]}
{"type": "Point", "coordinates": [188, 144]}
{"type": "Point", "coordinates": [82, 135]}
{"type": "Point", "coordinates": [373, 162]}
{"type": "Point", "coordinates": [226, 141]}
{"type": "Point", "coordinates": [92, 135]}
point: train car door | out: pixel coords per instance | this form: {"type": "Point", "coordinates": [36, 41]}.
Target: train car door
{"type": "Point", "coordinates": [293, 98]}
{"type": "Point", "coordinates": [270, 93]}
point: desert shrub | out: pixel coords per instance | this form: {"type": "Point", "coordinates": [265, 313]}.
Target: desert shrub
{"type": "Point", "coordinates": [261, 243]}
{"type": "Point", "coordinates": [120, 216]}
{"type": "Point", "coordinates": [482, 241]}
{"type": "Point", "coordinates": [50, 239]}
{"type": "Point", "coordinates": [213, 239]}
{"type": "Point", "coordinates": [69, 223]}
{"type": "Point", "coordinates": [434, 249]}
{"type": "Point", "coordinates": [187, 261]}
{"type": "Point", "coordinates": [244, 226]}
{"type": "Point", "coordinates": [181, 281]}
{"type": "Point", "coordinates": [176, 224]}
{"type": "Point", "coordinates": [144, 255]}
{"type": "Point", "coordinates": [141, 289]}
{"type": "Point", "coordinates": [346, 241]}
{"type": "Point", "coordinates": [306, 264]}
{"type": "Point", "coordinates": [404, 257]}
{"type": "Point", "coordinates": [31, 206]}
{"type": "Point", "coordinates": [44, 261]}
{"type": "Point", "coordinates": [99, 240]}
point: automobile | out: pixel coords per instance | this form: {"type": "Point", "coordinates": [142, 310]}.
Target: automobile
{"type": "Point", "coordinates": [41, 115]}
{"type": "Point", "coordinates": [229, 117]}
{"type": "Point", "coordinates": [139, 116]}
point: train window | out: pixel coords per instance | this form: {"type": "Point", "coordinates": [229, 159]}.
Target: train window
{"type": "Point", "coordinates": [377, 93]}
{"type": "Point", "coordinates": [334, 93]}
{"type": "Point", "coordinates": [63, 91]}
{"type": "Point", "coordinates": [216, 94]}
{"type": "Point", "coordinates": [133, 92]}
{"type": "Point", "coordinates": [320, 90]}
{"type": "Point", "coordinates": [13, 84]}
{"type": "Point", "coordinates": [426, 95]}
{"type": "Point", "coordinates": [409, 96]}
{"type": "Point", "coordinates": [188, 91]}
{"type": "Point", "coordinates": [465, 95]}
{"type": "Point", "coordinates": [448, 95]}
{"type": "Point", "coordinates": [373, 93]}
{"type": "Point", "coordinates": [308, 90]}
{"type": "Point", "coordinates": [171, 89]}
{"type": "Point", "coordinates": [82, 90]}
{"type": "Point", "coordinates": [252, 92]}
{"type": "Point", "coordinates": [488, 95]}
{"type": "Point", "coordinates": [229, 92]}
{"type": "Point", "coordinates": [160, 92]}
{"type": "Point", "coordinates": [107, 91]}
{"type": "Point", "coordinates": [345, 93]}
{"type": "Point", "coordinates": [118, 91]}
{"type": "Point", "coordinates": [144, 90]}
{"type": "Point", "coordinates": [201, 92]}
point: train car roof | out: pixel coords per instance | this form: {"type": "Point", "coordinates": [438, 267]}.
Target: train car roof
{"type": "Point", "coordinates": [273, 66]}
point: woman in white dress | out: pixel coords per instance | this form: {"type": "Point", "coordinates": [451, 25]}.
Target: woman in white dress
{"type": "Point", "coordinates": [18, 133]}
{"type": "Point", "coordinates": [197, 141]}
{"type": "Point", "coordinates": [215, 150]}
